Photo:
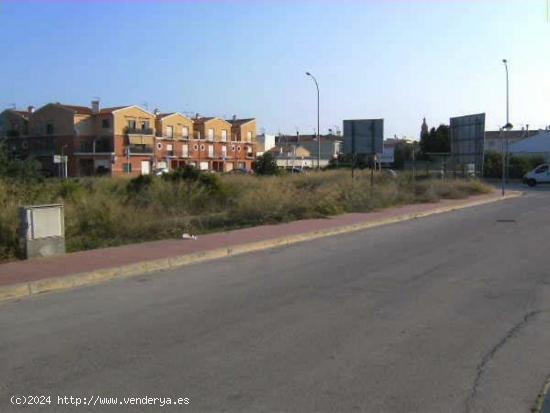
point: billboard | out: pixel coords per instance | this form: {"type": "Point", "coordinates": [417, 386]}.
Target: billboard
{"type": "Point", "coordinates": [364, 136]}
{"type": "Point", "coordinates": [467, 135]}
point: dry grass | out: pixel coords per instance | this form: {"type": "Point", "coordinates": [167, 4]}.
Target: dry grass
{"type": "Point", "coordinates": [104, 212]}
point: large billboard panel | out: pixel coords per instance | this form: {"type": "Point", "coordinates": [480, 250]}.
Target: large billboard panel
{"type": "Point", "coordinates": [364, 136]}
{"type": "Point", "coordinates": [467, 135]}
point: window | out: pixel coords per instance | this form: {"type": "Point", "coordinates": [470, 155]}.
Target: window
{"type": "Point", "coordinates": [238, 148]}
{"type": "Point", "coordinates": [210, 151]}
{"type": "Point", "coordinates": [249, 136]}
{"type": "Point", "coordinates": [185, 132]}
{"type": "Point", "coordinates": [185, 150]}
{"type": "Point", "coordinates": [132, 124]}
{"type": "Point", "coordinates": [49, 128]}
{"type": "Point", "coordinates": [210, 134]}
{"type": "Point", "coordinates": [202, 148]}
{"type": "Point", "coordinates": [127, 167]}
{"type": "Point", "coordinates": [541, 169]}
{"type": "Point", "coordinates": [105, 124]}
{"type": "Point", "coordinates": [195, 147]}
{"type": "Point", "coordinates": [159, 146]}
{"type": "Point", "coordinates": [170, 132]}
{"type": "Point", "coordinates": [168, 147]}
{"type": "Point", "coordinates": [224, 151]}
{"type": "Point", "coordinates": [224, 135]}
{"type": "Point", "coordinates": [144, 125]}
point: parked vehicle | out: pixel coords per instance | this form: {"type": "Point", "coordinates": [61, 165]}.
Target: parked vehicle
{"type": "Point", "coordinates": [539, 175]}
{"type": "Point", "coordinates": [390, 173]}
{"type": "Point", "coordinates": [162, 171]}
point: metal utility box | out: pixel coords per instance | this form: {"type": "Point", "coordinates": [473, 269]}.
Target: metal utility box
{"type": "Point", "coordinates": [42, 230]}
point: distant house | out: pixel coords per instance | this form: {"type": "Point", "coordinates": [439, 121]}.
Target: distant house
{"type": "Point", "coordinates": [15, 123]}
{"type": "Point", "coordinates": [331, 145]}
{"type": "Point", "coordinates": [537, 145]}
{"type": "Point", "coordinates": [293, 156]}
{"type": "Point", "coordinates": [264, 143]}
{"type": "Point", "coordinates": [495, 140]}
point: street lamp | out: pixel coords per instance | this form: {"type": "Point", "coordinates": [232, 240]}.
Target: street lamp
{"type": "Point", "coordinates": [506, 129]}
{"type": "Point", "coordinates": [318, 136]}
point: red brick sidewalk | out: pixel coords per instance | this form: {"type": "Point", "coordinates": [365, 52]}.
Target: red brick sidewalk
{"type": "Point", "coordinates": [87, 261]}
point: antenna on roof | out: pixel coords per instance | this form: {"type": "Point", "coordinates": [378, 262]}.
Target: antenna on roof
{"type": "Point", "coordinates": [145, 105]}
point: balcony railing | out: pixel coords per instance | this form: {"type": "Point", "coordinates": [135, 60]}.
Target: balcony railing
{"type": "Point", "coordinates": [138, 131]}
{"type": "Point", "coordinates": [98, 147]}
{"type": "Point", "coordinates": [140, 149]}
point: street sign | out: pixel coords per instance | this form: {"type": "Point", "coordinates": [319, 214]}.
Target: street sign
{"type": "Point", "coordinates": [388, 154]}
{"type": "Point", "coordinates": [59, 159]}
{"type": "Point", "coordinates": [364, 136]}
{"type": "Point", "coordinates": [467, 135]}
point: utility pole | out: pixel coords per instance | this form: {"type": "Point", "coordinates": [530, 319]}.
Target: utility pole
{"type": "Point", "coordinates": [506, 128]}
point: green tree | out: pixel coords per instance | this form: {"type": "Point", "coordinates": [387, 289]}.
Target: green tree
{"type": "Point", "coordinates": [19, 169]}
{"type": "Point", "coordinates": [403, 153]}
{"type": "Point", "coordinates": [436, 141]}
{"type": "Point", "coordinates": [266, 165]}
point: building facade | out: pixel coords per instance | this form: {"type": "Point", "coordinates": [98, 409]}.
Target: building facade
{"type": "Point", "coordinates": [331, 146]}
{"type": "Point", "coordinates": [125, 140]}
{"type": "Point", "coordinates": [495, 141]}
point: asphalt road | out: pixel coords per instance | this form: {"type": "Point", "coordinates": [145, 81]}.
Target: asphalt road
{"type": "Point", "coordinates": [448, 313]}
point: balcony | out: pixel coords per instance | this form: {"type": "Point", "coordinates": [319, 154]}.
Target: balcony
{"type": "Point", "coordinates": [98, 146]}
{"type": "Point", "coordinates": [140, 150]}
{"type": "Point", "coordinates": [138, 131]}
{"type": "Point", "coordinates": [177, 137]}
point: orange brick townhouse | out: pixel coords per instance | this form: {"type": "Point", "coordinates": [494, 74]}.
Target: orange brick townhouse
{"type": "Point", "coordinates": [126, 140]}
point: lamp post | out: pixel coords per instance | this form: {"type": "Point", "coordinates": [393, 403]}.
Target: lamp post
{"type": "Point", "coordinates": [318, 135]}
{"type": "Point", "coordinates": [506, 128]}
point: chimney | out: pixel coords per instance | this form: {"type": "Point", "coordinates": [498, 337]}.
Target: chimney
{"type": "Point", "coordinates": [30, 109]}
{"type": "Point", "coordinates": [234, 117]}
{"type": "Point", "coordinates": [197, 115]}
{"type": "Point", "coordinates": [95, 106]}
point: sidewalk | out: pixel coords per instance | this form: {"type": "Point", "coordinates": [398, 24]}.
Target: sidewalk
{"type": "Point", "coordinates": [23, 278]}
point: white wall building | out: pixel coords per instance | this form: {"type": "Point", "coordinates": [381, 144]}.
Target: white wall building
{"type": "Point", "coordinates": [537, 145]}
{"type": "Point", "coordinates": [264, 143]}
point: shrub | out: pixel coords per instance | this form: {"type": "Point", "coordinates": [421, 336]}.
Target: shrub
{"type": "Point", "coordinates": [105, 211]}
{"type": "Point", "coordinates": [266, 165]}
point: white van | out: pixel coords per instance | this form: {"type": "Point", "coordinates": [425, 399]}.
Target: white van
{"type": "Point", "coordinates": [539, 175]}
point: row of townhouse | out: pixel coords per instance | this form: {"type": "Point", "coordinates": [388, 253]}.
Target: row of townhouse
{"type": "Point", "coordinates": [126, 140]}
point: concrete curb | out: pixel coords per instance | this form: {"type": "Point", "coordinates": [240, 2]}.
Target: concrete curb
{"type": "Point", "coordinates": [542, 399]}
{"type": "Point", "coordinates": [21, 290]}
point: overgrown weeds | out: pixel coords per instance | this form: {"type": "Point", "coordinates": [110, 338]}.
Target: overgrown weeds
{"type": "Point", "coordinates": [103, 212]}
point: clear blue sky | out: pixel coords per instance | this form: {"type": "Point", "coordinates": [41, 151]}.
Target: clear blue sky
{"type": "Point", "coordinates": [400, 60]}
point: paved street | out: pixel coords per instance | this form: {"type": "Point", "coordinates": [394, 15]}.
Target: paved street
{"type": "Point", "coordinates": [449, 313]}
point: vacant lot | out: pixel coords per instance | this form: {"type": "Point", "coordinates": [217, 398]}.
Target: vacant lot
{"type": "Point", "coordinates": [105, 212]}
